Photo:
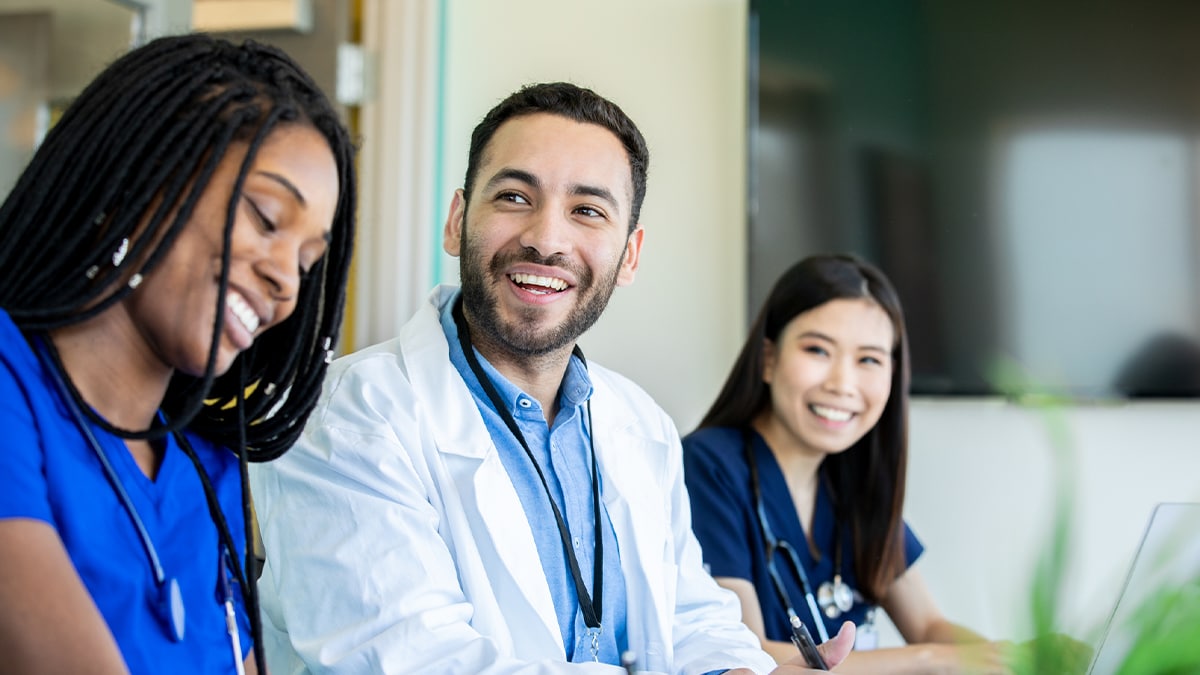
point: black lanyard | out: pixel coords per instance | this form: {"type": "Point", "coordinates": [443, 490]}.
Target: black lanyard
{"type": "Point", "coordinates": [591, 608]}
{"type": "Point", "coordinates": [771, 544]}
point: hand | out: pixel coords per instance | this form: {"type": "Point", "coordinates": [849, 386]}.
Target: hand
{"type": "Point", "coordinates": [983, 658]}
{"type": "Point", "coordinates": [834, 652]}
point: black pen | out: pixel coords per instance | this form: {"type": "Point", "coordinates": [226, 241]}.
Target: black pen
{"type": "Point", "coordinates": [804, 642]}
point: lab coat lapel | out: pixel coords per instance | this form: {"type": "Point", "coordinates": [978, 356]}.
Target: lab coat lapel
{"type": "Point", "coordinates": [631, 470]}
{"type": "Point", "coordinates": [480, 481]}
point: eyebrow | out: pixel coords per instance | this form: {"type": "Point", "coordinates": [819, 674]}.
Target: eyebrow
{"type": "Point", "coordinates": [509, 173]}
{"type": "Point", "coordinates": [291, 187]}
{"type": "Point", "coordinates": [821, 336]}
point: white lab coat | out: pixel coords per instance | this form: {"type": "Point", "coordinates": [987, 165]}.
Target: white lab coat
{"type": "Point", "coordinates": [396, 542]}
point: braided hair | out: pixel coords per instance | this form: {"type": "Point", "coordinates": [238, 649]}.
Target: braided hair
{"type": "Point", "coordinates": [127, 162]}
{"type": "Point", "coordinates": [123, 170]}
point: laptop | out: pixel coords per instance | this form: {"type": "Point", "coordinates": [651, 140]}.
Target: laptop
{"type": "Point", "coordinates": [1167, 557]}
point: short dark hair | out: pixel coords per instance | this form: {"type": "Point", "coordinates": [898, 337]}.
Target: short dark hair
{"type": "Point", "coordinates": [575, 103]}
{"type": "Point", "coordinates": [868, 479]}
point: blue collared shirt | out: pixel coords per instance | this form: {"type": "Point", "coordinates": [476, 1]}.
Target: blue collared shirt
{"type": "Point", "coordinates": [563, 453]}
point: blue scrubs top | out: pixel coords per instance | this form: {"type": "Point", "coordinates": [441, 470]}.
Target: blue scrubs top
{"type": "Point", "coordinates": [726, 523]}
{"type": "Point", "coordinates": [51, 473]}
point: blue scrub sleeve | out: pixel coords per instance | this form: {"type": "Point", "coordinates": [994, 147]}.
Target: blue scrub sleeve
{"type": "Point", "coordinates": [913, 548]}
{"type": "Point", "coordinates": [24, 493]}
{"type": "Point", "coordinates": [715, 476]}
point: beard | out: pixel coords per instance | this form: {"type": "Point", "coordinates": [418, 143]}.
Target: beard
{"type": "Point", "coordinates": [524, 335]}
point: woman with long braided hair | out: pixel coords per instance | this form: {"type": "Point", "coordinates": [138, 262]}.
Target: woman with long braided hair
{"type": "Point", "coordinates": [173, 264]}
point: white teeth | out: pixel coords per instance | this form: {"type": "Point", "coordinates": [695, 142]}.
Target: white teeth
{"type": "Point", "coordinates": [534, 280]}
{"type": "Point", "coordinates": [832, 414]}
{"type": "Point", "coordinates": [242, 311]}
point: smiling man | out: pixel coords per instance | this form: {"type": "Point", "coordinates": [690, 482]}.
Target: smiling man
{"type": "Point", "coordinates": [474, 496]}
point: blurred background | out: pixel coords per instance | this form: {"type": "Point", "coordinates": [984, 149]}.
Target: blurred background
{"type": "Point", "coordinates": [1025, 172]}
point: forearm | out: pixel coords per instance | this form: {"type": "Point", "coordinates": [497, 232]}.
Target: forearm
{"type": "Point", "coordinates": [947, 632]}
{"type": "Point", "coordinates": [922, 659]}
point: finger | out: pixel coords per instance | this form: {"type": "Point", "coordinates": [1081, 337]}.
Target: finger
{"type": "Point", "coordinates": [835, 650]}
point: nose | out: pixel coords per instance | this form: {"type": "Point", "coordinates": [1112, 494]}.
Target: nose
{"type": "Point", "coordinates": [840, 377]}
{"type": "Point", "coordinates": [280, 268]}
{"type": "Point", "coordinates": [546, 232]}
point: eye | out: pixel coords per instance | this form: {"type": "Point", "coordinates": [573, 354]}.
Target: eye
{"type": "Point", "coordinates": [815, 350]}
{"type": "Point", "coordinates": [263, 221]}
{"type": "Point", "coordinates": [589, 211]}
{"type": "Point", "coordinates": [513, 197]}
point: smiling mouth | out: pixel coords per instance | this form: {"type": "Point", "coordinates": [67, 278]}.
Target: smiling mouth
{"type": "Point", "coordinates": [242, 310]}
{"type": "Point", "coordinates": [831, 414]}
{"type": "Point", "coordinates": [539, 284]}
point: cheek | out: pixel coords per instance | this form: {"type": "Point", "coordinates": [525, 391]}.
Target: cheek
{"type": "Point", "coordinates": [880, 391]}
{"type": "Point", "coordinates": [282, 312]}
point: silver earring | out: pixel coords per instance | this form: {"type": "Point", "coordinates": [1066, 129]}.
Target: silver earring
{"type": "Point", "coordinates": [135, 280]}
{"type": "Point", "coordinates": [328, 351]}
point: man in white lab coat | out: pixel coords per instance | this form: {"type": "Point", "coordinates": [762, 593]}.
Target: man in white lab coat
{"type": "Point", "coordinates": [473, 496]}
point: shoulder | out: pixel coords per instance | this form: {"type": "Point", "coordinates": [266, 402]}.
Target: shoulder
{"type": "Point", "coordinates": [608, 382]}
{"type": "Point", "coordinates": [913, 548]}
{"type": "Point", "coordinates": [376, 383]}
{"type": "Point", "coordinates": [715, 445]}
{"type": "Point", "coordinates": [15, 353]}
{"type": "Point", "coordinates": [26, 390]}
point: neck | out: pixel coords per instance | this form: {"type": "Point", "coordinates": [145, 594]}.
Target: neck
{"type": "Point", "coordinates": [798, 462]}
{"type": "Point", "coordinates": [113, 370]}
{"type": "Point", "coordinates": [539, 376]}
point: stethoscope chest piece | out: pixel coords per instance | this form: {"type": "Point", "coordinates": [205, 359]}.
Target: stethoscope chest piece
{"type": "Point", "coordinates": [835, 597]}
{"type": "Point", "coordinates": [170, 608]}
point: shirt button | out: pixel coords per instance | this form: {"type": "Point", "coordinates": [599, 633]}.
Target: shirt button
{"type": "Point", "coordinates": [577, 542]}
{"type": "Point", "coordinates": [524, 402]}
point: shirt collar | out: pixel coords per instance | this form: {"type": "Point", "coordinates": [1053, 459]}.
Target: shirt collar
{"type": "Point", "coordinates": [575, 390]}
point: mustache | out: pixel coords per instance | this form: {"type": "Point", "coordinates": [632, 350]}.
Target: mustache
{"type": "Point", "coordinates": [530, 255]}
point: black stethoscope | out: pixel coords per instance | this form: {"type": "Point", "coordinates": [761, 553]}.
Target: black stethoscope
{"type": "Point", "coordinates": [833, 598]}
{"type": "Point", "coordinates": [170, 607]}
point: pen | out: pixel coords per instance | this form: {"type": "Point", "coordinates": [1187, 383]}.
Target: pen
{"type": "Point", "coordinates": [804, 642]}
{"type": "Point", "coordinates": [629, 662]}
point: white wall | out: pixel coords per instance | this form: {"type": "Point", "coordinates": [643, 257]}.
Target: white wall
{"type": "Point", "coordinates": [677, 68]}
{"type": "Point", "coordinates": [982, 485]}
{"type": "Point", "coordinates": [980, 478]}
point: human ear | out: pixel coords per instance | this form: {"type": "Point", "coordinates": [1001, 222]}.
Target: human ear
{"type": "Point", "coordinates": [768, 360]}
{"type": "Point", "coordinates": [452, 232]}
{"type": "Point", "coordinates": [633, 251]}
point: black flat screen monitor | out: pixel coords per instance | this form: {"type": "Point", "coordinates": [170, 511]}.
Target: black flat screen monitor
{"type": "Point", "coordinates": [1026, 173]}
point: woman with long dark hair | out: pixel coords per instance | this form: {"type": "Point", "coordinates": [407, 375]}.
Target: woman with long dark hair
{"type": "Point", "coordinates": [173, 264]}
{"type": "Point", "coordinates": [797, 471]}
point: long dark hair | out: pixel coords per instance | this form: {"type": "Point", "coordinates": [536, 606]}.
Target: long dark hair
{"type": "Point", "coordinates": [868, 478]}
{"type": "Point", "coordinates": [124, 169]}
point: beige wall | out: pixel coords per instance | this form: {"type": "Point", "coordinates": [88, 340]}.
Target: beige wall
{"type": "Point", "coordinates": [677, 67]}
